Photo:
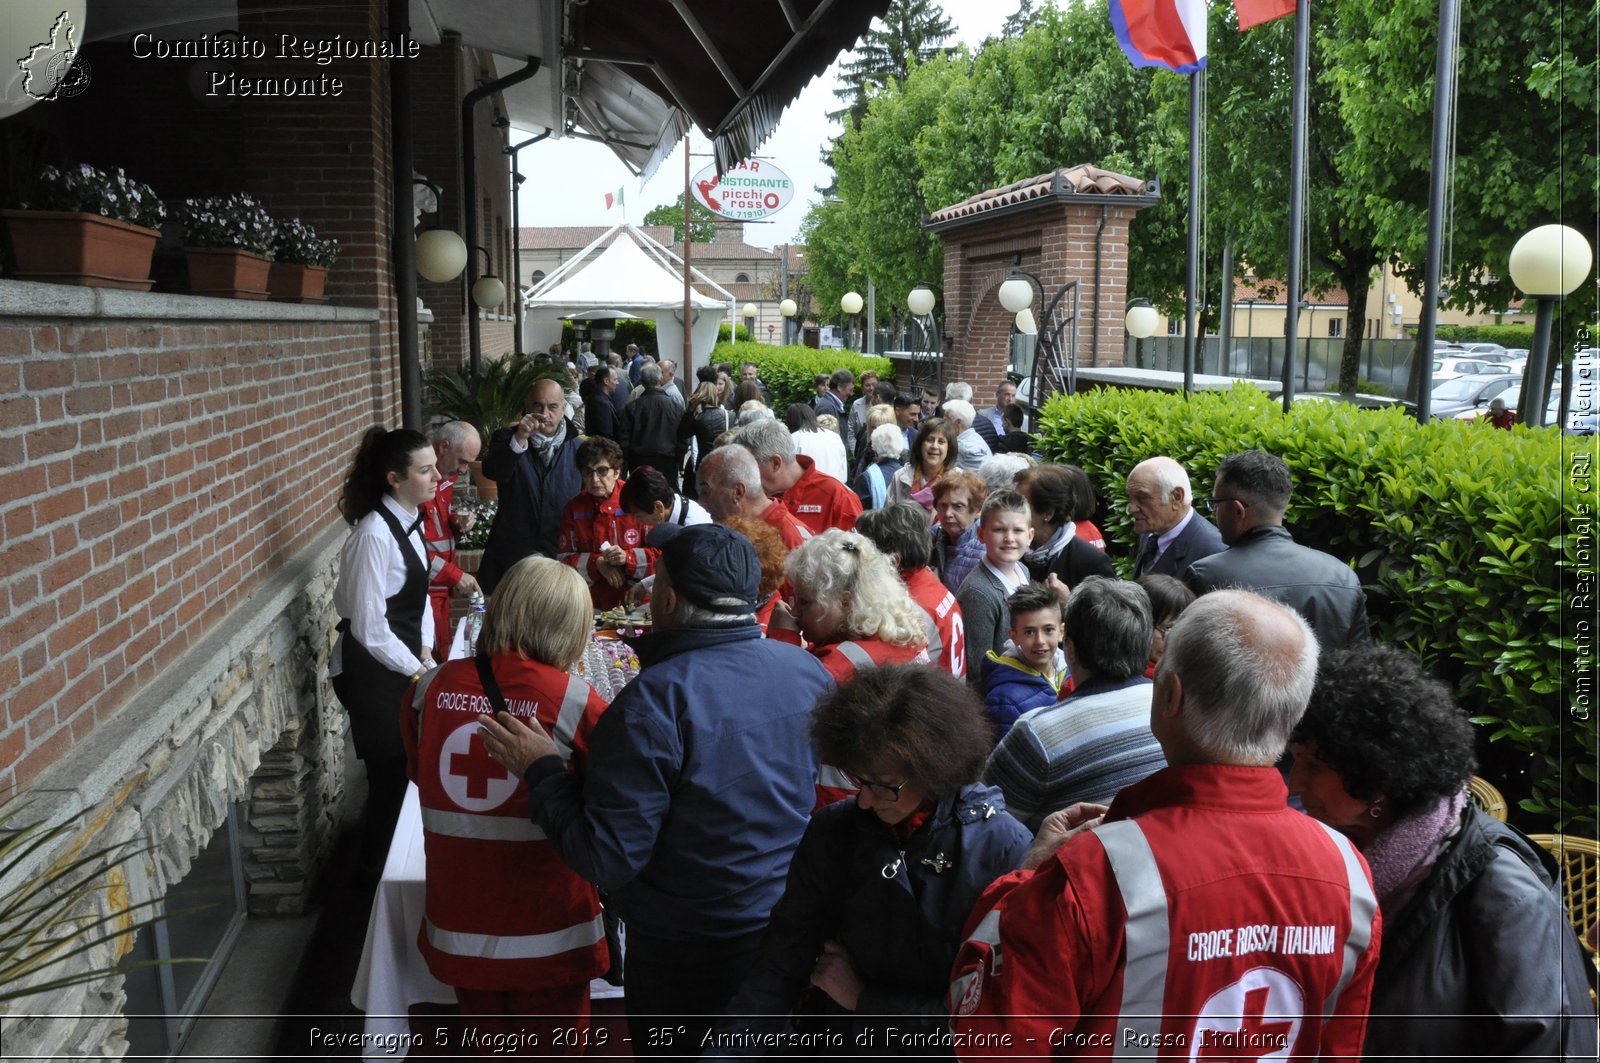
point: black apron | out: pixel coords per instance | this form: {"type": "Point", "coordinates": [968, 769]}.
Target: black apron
{"type": "Point", "coordinates": [370, 692]}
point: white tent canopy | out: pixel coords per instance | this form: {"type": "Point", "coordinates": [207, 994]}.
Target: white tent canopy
{"type": "Point", "coordinates": [634, 274]}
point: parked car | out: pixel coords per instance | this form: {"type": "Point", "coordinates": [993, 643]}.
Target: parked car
{"type": "Point", "coordinates": [1483, 348]}
{"type": "Point", "coordinates": [1451, 366]}
{"type": "Point", "coordinates": [1469, 392]}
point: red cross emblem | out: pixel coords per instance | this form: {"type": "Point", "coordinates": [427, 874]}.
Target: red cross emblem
{"type": "Point", "coordinates": [471, 778]}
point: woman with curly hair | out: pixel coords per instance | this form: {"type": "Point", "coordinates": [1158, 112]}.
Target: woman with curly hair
{"type": "Point", "coordinates": [933, 453]}
{"type": "Point", "coordinates": [1478, 958]}
{"type": "Point", "coordinates": [850, 605]}
{"type": "Point", "coordinates": [871, 918]}
{"type": "Point", "coordinates": [772, 554]}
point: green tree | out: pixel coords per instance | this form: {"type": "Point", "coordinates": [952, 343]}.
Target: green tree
{"type": "Point", "coordinates": [913, 32]}
{"type": "Point", "coordinates": [701, 220]}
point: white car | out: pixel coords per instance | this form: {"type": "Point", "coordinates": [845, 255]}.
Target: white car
{"type": "Point", "coordinates": [1451, 366]}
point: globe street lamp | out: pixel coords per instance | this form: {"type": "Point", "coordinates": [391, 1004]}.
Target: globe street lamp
{"type": "Point", "coordinates": [1140, 321]}
{"type": "Point", "coordinates": [788, 309]}
{"type": "Point", "coordinates": [1047, 364]}
{"type": "Point", "coordinates": [920, 301]}
{"type": "Point", "coordinates": [851, 304]}
{"type": "Point", "coordinates": [1547, 265]}
{"type": "Point", "coordinates": [749, 313]}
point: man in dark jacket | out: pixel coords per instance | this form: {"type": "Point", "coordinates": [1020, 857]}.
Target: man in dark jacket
{"type": "Point", "coordinates": [648, 428]}
{"type": "Point", "coordinates": [535, 465]}
{"type": "Point", "coordinates": [1172, 536]}
{"type": "Point", "coordinates": [1252, 492]}
{"type": "Point", "coordinates": [695, 794]}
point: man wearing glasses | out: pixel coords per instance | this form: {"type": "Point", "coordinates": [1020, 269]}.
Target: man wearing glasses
{"type": "Point", "coordinates": [1251, 495]}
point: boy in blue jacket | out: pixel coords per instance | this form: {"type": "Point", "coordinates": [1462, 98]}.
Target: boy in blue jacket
{"type": "Point", "coordinates": [1031, 675]}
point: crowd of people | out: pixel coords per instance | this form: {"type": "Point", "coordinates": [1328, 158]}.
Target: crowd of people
{"type": "Point", "coordinates": [907, 769]}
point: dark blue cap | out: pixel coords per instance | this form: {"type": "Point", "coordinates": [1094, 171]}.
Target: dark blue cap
{"type": "Point", "coordinates": [713, 566]}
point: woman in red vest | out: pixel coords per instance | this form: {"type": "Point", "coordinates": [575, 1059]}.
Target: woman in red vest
{"type": "Point", "coordinates": [511, 927]}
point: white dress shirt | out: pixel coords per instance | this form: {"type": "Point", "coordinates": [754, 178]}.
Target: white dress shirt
{"type": "Point", "coordinates": [371, 571]}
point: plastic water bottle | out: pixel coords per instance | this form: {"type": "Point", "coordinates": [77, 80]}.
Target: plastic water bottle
{"type": "Point", "coordinates": [474, 622]}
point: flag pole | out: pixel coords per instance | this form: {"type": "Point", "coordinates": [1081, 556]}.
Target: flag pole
{"type": "Point", "coordinates": [1444, 64]}
{"type": "Point", "coordinates": [1192, 283]}
{"type": "Point", "coordinates": [1297, 194]}
{"type": "Point", "coordinates": [688, 243]}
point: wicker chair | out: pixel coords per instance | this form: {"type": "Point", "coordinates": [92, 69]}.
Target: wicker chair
{"type": "Point", "coordinates": [1580, 873]}
{"type": "Point", "coordinates": [1487, 798]}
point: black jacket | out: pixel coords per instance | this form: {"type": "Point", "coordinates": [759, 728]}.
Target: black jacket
{"type": "Point", "coordinates": [1198, 539]}
{"type": "Point", "coordinates": [599, 415]}
{"type": "Point", "coordinates": [900, 915]}
{"type": "Point", "coordinates": [704, 425]}
{"type": "Point", "coordinates": [1486, 942]}
{"type": "Point", "coordinates": [648, 431]}
{"type": "Point", "coordinates": [532, 495]}
{"type": "Point", "coordinates": [1267, 560]}
{"type": "Point", "coordinates": [1075, 561]}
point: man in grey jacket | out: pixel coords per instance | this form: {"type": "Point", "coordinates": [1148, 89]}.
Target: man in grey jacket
{"type": "Point", "coordinates": [1251, 495]}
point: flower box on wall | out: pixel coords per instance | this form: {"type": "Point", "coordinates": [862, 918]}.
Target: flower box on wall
{"type": "Point", "coordinates": [66, 247]}
{"type": "Point", "coordinates": [227, 272]}
{"type": "Point", "coordinates": [289, 282]}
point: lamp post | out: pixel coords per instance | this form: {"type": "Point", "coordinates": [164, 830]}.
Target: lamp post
{"type": "Point", "coordinates": [787, 308]}
{"type": "Point", "coordinates": [748, 311]}
{"type": "Point", "coordinates": [1140, 321]}
{"type": "Point", "coordinates": [851, 304]}
{"type": "Point", "coordinates": [920, 302]}
{"type": "Point", "coordinates": [1547, 264]}
{"type": "Point", "coordinates": [488, 291]}
{"type": "Point", "coordinates": [1016, 295]}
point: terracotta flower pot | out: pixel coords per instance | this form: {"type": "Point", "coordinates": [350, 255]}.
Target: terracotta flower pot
{"type": "Point", "coordinates": [227, 272]}
{"type": "Point", "coordinates": [63, 247]}
{"type": "Point", "coordinates": [290, 282]}
{"type": "Point", "coordinates": [488, 490]}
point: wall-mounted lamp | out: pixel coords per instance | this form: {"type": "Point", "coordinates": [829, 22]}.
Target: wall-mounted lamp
{"type": "Point", "coordinates": [441, 253]}
{"type": "Point", "coordinates": [488, 291]}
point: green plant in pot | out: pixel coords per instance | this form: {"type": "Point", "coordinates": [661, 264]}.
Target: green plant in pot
{"type": "Point", "coordinates": [300, 262]}
{"type": "Point", "coordinates": [228, 242]}
{"type": "Point", "coordinates": [87, 226]}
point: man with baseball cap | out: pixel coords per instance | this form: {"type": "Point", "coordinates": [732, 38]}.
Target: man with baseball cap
{"type": "Point", "coordinates": [695, 792]}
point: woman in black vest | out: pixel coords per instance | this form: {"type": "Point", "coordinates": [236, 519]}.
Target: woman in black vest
{"type": "Point", "coordinates": [385, 625]}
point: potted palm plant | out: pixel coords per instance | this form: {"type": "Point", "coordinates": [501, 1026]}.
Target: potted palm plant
{"type": "Point", "coordinates": [227, 241]}
{"type": "Point", "coordinates": [87, 226]}
{"type": "Point", "coordinates": [300, 263]}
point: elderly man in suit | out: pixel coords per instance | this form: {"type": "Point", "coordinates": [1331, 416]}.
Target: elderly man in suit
{"type": "Point", "coordinates": [1172, 536]}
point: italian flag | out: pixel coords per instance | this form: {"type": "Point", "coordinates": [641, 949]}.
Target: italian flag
{"type": "Point", "coordinates": [614, 199]}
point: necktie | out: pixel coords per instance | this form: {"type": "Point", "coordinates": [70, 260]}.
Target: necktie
{"type": "Point", "coordinates": [1147, 554]}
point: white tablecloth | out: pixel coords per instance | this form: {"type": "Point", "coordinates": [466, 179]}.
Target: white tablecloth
{"type": "Point", "coordinates": [392, 975]}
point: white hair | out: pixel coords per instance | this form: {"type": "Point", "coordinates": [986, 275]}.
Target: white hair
{"type": "Point", "coordinates": [1169, 476]}
{"type": "Point", "coordinates": [836, 564]}
{"type": "Point", "coordinates": [1000, 470]}
{"type": "Point", "coordinates": [958, 389]}
{"type": "Point", "coordinates": [767, 438]}
{"type": "Point", "coordinates": [456, 433]}
{"type": "Point", "coordinates": [752, 411]}
{"type": "Point", "coordinates": [887, 442]}
{"type": "Point", "coordinates": [1244, 685]}
{"type": "Point", "coordinates": [738, 467]}
{"type": "Point", "coordinates": [960, 411]}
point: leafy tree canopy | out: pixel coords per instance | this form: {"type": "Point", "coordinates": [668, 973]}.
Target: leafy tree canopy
{"type": "Point", "coordinates": [701, 220]}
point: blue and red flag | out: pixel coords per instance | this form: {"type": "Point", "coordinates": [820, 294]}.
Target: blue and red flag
{"type": "Point", "coordinates": [1169, 33]}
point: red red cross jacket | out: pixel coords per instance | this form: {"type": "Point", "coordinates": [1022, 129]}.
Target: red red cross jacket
{"type": "Point", "coordinates": [439, 533]}
{"type": "Point", "coordinates": [819, 501]}
{"type": "Point", "coordinates": [1202, 920]}
{"type": "Point", "coordinates": [502, 910]}
{"type": "Point", "coordinates": [588, 524]}
{"type": "Point", "coordinates": [947, 644]}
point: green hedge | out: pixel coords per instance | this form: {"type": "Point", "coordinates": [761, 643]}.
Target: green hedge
{"type": "Point", "coordinates": [1509, 336]}
{"type": "Point", "coordinates": [789, 371]}
{"type": "Point", "coordinates": [1463, 537]}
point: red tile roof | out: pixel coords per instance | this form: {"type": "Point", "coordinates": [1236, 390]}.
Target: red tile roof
{"type": "Point", "coordinates": [1077, 179]}
{"type": "Point", "coordinates": [576, 237]}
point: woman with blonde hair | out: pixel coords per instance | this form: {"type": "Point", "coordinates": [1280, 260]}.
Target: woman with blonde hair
{"type": "Point", "coordinates": [479, 841]}
{"type": "Point", "coordinates": [704, 418]}
{"type": "Point", "coordinates": [850, 605]}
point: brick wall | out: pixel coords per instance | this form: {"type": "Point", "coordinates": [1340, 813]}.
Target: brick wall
{"type": "Point", "coordinates": [1056, 243]}
{"type": "Point", "coordinates": [156, 470]}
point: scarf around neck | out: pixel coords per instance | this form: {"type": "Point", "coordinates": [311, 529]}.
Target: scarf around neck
{"type": "Point", "coordinates": [1041, 558]}
{"type": "Point", "coordinates": [1403, 855]}
{"type": "Point", "coordinates": [547, 446]}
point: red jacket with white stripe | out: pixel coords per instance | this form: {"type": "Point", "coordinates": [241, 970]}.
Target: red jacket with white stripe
{"type": "Point", "coordinates": [1203, 919]}
{"type": "Point", "coordinates": [819, 501]}
{"type": "Point", "coordinates": [439, 533]}
{"type": "Point", "coordinates": [502, 910]}
{"type": "Point", "coordinates": [587, 524]}
{"type": "Point", "coordinates": [947, 644]}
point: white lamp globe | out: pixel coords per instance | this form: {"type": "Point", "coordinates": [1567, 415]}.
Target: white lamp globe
{"type": "Point", "coordinates": [441, 254]}
{"type": "Point", "coordinates": [1140, 321]}
{"type": "Point", "coordinates": [488, 291]}
{"type": "Point", "coordinates": [920, 301]}
{"type": "Point", "coordinates": [1550, 261]}
{"type": "Point", "coordinates": [1016, 294]}
{"type": "Point", "coordinates": [1025, 322]}
{"type": "Point", "coordinates": [851, 303]}
{"type": "Point", "coordinates": [749, 310]}
{"type": "Point", "coordinates": [787, 308]}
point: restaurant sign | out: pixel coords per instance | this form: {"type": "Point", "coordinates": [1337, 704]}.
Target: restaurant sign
{"type": "Point", "coordinates": [749, 191]}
